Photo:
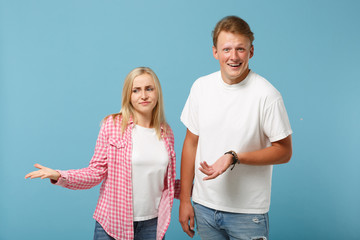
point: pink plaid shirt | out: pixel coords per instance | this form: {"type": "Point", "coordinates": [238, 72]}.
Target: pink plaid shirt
{"type": "Point", "coordinates": [111, 164]}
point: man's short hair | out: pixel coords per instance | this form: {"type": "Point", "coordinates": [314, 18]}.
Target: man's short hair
{"type": "Point", "coordinates": [234, 25]}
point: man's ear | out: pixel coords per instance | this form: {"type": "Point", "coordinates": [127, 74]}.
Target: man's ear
{"type": "Point", "coordinates": [251, 51]}
{"type": "Point", "coordinates": [215, 53]}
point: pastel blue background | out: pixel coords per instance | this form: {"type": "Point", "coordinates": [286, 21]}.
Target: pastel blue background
{"type": "Point", "coordinates": [62, 65]}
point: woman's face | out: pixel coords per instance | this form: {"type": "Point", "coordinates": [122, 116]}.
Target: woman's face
{"type": "Point", "coordinates": [144, 95]}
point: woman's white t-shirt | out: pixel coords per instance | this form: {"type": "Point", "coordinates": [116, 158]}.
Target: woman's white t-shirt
{"type": "Point", "coordinates": [149, 163]}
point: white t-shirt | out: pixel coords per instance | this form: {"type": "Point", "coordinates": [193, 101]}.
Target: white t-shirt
{"type": "Point", "coordinates": [243, 117]}
{"type": "Point", "coordinates": [149, 163]}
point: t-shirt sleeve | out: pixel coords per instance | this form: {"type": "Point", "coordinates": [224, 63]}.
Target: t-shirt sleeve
{"type": "Point", "coordinates": [276, 121]}
{"type": "Point", "coordinates": [189, 116]}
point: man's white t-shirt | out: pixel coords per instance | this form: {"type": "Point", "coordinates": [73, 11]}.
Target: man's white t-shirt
{"type": "Point", "coordinates": [149, 164]}
{"type": "Point", "coordinates": [243, 117]}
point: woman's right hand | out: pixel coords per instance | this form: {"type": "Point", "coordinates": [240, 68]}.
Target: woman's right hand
{"type": "Point", "coordinates": [43, 173]}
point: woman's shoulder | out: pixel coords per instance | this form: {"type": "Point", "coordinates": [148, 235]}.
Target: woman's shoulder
{"type": "Point", "coordinates": [112, 120]}
{"type": "Point", "coordinates": [167, 130]}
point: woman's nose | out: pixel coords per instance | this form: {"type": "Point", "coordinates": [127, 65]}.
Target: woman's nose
{"type": "Point", "coordinates": [144, 95]}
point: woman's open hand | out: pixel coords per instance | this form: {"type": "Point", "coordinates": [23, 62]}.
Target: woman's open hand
{"type": "Point", "coordinates": [43, 172]}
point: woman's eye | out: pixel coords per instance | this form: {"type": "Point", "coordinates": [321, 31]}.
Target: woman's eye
{"type": "Point", "coordinates": [134, 90]}
{"type": "Point", "coordinates": [149, 89]}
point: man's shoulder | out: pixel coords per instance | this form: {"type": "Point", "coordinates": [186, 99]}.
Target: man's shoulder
{"type": "Point", "coordinates": [258, 78]}
{"type": "Point", "coordinates": [212, 77]}
{"type": "Point", "coordinates": [262, 85]}
{"type": "Point", "coordinates": [215, 75]}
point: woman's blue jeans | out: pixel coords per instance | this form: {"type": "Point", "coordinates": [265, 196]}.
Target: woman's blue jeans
{"type": "Point", "coordinates": [219, 225]}
{"type": "Point", "coordinates": [143, 230]}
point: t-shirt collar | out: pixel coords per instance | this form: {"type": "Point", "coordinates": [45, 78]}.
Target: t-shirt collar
{"type": "Point", "coordinates": [236, 85]}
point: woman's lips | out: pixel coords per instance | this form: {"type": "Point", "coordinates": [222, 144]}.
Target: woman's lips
{"type": "Point", "coordinates": [144, 103]}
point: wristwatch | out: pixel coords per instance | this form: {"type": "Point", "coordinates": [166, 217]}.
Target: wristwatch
{"type": "Point", "coordinates": [235, 158]}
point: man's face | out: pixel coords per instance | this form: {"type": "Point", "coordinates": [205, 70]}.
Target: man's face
{"type": "Point", "coordinates": [233, 52]}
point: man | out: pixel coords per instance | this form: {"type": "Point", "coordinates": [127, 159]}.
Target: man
{"type": "Point", "coordinates": [235, 119]}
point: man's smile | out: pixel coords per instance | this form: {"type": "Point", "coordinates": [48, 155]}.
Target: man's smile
{"type": "Point", "coordinates": [234, 65]}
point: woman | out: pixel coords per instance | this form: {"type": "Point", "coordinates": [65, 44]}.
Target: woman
{"type": "Point", "coordinates": [135, 158]}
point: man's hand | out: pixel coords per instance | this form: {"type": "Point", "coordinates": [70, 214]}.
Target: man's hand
{"type": "Point", "coordinates": [186, 215]}
{"type": "Point", "coordinates": [216, 169]}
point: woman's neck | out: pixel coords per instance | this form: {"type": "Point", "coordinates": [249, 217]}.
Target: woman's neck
{"type": "Point", "coordinates": [143, 120]}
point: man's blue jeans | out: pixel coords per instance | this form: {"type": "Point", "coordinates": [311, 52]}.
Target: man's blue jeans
{"type": "Point", "coordinates": [143, 230]}
{"type": "Point", "coordinates": [218, 225]}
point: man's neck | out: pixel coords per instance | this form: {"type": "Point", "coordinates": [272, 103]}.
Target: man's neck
{"type": "Point", "coordinates": [235, 80]}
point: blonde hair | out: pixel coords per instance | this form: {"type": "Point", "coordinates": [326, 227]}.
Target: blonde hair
{"type": "Point", "coordinates": [127, 110]}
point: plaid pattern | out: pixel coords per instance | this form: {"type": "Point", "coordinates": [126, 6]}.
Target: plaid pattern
{"type": "Point", "coordinates": [111, 164]}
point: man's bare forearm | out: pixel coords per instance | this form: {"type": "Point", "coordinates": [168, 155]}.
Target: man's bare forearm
{"type": "Point", "coordinates": [278, 153]}
{"type": "Point", "coordinates": [188, 165]}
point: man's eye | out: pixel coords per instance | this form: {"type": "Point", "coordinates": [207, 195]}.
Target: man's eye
{"type": "Point", "coordinates": [226, 49]}
{"type": "Point", "coordinates": [241, 49]}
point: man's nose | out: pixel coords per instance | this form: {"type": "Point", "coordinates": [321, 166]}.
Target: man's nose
{"type": "Point", "coordinates": [234, 55]}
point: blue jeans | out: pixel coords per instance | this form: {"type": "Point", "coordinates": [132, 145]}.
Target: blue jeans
{"type": "Point", "coordinates": [143, 230]}
{"type": "Point", "coordinates": [218, 225]}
